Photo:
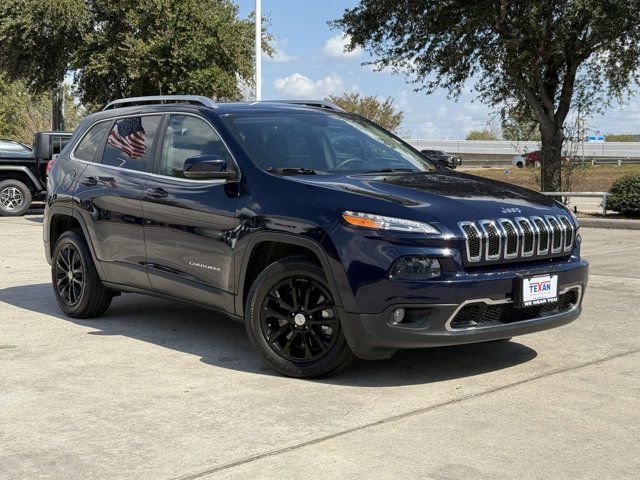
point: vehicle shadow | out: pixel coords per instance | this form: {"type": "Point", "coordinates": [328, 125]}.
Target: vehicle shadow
{"type": "Point", "coordinates": [218, 340]}
{"type": "Point", "coordinates": [31, 217]}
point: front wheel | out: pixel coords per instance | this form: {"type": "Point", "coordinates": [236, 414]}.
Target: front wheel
{"type": "Point", "coordinates": [292, 322]}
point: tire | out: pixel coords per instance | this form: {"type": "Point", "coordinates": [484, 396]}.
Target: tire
{"type": "Point", "coordinates": [303, 345]}
{"type": "Point", "coordinates": [86, 297]}
{"type": "Point", "coordinates": [519, 165]}
{"type": "Point", "coordinates": [15, 198]}
{"type": "Point", "coordinates": [442, 164]}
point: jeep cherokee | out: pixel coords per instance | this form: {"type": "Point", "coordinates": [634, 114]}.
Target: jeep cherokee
{"type": "Point", "coordinates": [325, 234]}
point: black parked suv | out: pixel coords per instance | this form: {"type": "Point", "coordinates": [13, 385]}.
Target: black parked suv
{"type": "Point", "coordinates": [23, 171]}
{"type": "Point", "coordinates": [442, 159]}
{"type": "Point", "coordinates": [327, 235]}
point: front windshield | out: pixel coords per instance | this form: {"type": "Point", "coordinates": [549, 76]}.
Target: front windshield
{"type": "Point", "coordinates": [323, 142]}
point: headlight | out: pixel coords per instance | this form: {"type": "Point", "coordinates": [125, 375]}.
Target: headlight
{"type": "Point", "coordinates": [379, 222]}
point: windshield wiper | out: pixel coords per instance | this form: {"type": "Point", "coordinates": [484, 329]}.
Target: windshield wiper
{"type": "Point", "coordinates": [291, 170]}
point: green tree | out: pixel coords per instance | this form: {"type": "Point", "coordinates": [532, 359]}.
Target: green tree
{"type": "Point", "coordinates": [484, 134]}
{"type": "Point", "coordinates": [38, 39]}
{"type": "Point", "coordinates": [520, 128]}
{"type": "Point", "coordinates": [541, 55]}
{"type": "Point", "coordinates": [152, 47]}
{"type": "Point", "coordinates": [119, 48]}
{"type": "Point", "coordinates": [622, 137]}
{"type": "Point", "coordinates": [381, 111]}
{"type": "Point", "coordinates": [22, 113]}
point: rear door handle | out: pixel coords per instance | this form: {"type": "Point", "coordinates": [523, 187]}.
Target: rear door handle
{"type": "Point", "coordinates": [89, 181]}
{"type": "Point", "coordinates": [156, 192]}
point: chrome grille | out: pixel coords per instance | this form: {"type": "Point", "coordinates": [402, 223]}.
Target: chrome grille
{"type": "Point", "coordinates": [507, 239]}
{"type": "Point", "coordinates": [511, 238]}
{"type": "Point", "coordinates": [557, 231]}
{"type": "Point", "coordinates": [543, 235]}
{"type": "Point", "coordinates": [569, 233]}
{"type": "Point", "coordinates": [473, 240]}
{"type": "Point", "coordinates": [528, 236]}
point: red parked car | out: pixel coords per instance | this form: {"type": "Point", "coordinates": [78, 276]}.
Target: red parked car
{"type": "Point", "coordinates": [530, 159]}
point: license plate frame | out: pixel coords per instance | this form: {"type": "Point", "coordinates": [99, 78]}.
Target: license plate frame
{"type": "Point", "coordinates": [530, 289]}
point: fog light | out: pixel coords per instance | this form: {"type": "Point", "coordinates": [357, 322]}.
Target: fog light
{"type": "Point", "coordinates": [398, 315]}
{"type": "Point", "coordinates": [415, 268]}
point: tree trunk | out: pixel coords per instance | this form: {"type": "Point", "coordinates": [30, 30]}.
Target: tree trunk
{"type": "Point", "coordinates": [552, 141]}
{"type": "Point", "coordinates": [57, 108]}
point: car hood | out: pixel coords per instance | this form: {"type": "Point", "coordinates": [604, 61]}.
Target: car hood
{"type": "Point", "coordinates": [442, 195]}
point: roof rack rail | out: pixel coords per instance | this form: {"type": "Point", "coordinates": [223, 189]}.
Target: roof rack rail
{"type": "Point", "coordinates": [160, 99]}
{"type": "Point", "coordinates": [311, 103]}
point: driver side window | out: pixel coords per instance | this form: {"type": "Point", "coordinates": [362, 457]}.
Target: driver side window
{"type": "Point", "coordinates": [186, 137]}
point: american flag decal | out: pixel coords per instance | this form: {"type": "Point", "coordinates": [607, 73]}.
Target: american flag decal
{"type": "Point", "coordinates": [128, 136]}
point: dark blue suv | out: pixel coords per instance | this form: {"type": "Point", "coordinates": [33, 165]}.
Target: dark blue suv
{"type": "Point", "coordinates": [327, 235]}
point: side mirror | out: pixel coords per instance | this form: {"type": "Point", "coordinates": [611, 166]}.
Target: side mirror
{"type": "Point", "coordinates": [206, 166]}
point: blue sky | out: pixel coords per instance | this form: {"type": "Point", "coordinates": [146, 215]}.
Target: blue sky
{"type": "Point", "coordinates": [310, 63]}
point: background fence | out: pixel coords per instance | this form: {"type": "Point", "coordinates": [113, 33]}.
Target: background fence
{"type": "Point", "coordinates": [500, 153]}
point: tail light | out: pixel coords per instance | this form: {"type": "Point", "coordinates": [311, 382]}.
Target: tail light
{"type": "Point", "coordinates": [50, 165]}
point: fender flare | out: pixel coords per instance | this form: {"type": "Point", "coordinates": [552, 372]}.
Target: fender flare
{"type": "Point", "coordinates": [36, 183]}
{"type": "Point", "coordinates": [286, 238]}
{"type": "Point", "coordinates": [71, 212]}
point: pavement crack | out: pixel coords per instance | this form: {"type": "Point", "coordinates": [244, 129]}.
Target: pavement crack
{"type": "Point", "coordinates": [402, 416]}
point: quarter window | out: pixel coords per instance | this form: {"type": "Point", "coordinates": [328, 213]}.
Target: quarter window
{"type": "Point", "coordinates": [188, 137]}
{"type": "Point", "coordinates": [130, 142]}
{"type": "Point", "coordinates": [86, 149]}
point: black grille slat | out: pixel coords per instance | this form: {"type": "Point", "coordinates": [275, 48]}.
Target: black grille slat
{"type": "Point", "coordinates": [473, 240]}
{"type": "Point", "coordinates": [556, 243]}
{"type": "Point", "coordinates": [543, 236]}
{"type": "Point", "coordinates": [493, 240]}
{"type": "Point", "coordinates": [529, 238]}
{"type": "Point", "coordinates": [511, 238]}
{"type": "Point", "coordinates": [568, 237]}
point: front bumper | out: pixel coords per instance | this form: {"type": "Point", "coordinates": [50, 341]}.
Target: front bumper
{"type": "Point", "coordinates": [433, 324]}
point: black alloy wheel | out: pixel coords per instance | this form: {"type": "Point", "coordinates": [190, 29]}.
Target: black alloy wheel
{"type": "Point", "coordinates": [76, 283]}
{"type": "Point", "coordinates": [292, 321]}
{"type": "Point", "coordinates": [298, 320]}
{"type": "Point", "coordinates": [69, 275]}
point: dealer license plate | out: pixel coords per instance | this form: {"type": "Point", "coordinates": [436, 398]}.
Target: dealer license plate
{"type": "Point", "coordinates": [539, 289]}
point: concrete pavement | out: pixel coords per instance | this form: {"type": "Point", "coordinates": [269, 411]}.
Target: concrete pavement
{"type": "Point", "coordinates": [155, 389]}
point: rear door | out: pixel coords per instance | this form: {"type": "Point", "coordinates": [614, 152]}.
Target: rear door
{"type": "Point", "coordinates": [190, 224]}
{"type": "Point", "coordinates": [109, 193]}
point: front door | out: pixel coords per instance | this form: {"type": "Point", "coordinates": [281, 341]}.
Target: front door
{"type": "Point", "coordinates": [190, 224]}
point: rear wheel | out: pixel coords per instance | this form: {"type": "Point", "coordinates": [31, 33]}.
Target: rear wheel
{"type": "Point", "coordinates": [291, 320]}
{"type": "Point", "coordinates": [15, 198]}
{"type": "Point", "coordinates": [77, 286]}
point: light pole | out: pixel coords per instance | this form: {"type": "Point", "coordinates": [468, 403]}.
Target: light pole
{"type": "Point", "coordinates": [258, 50]}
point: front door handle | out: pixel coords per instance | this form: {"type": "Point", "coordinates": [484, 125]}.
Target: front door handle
{"type": "Point", "coordinates": [156, 192]}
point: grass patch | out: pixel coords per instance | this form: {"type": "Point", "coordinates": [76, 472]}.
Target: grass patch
{"type": "Point", "coordinates": [598, 178]}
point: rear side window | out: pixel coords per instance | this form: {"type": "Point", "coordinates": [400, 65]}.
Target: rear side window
{"type": "Point", "coordinates": [86, 149]}
{"type": "Point", "coordinates": [130, 143]}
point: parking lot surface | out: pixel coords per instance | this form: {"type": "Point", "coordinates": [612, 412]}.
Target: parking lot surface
{"type": "Point", "coordinates": [159, 390]}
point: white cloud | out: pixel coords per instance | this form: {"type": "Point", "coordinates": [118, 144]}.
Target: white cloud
{"type": "Point", "coordinates": [298, 86]}
{"type": "Point", "coordinates": [279, 55]}
{"type": "Point", "coordinates": [335, 47]}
